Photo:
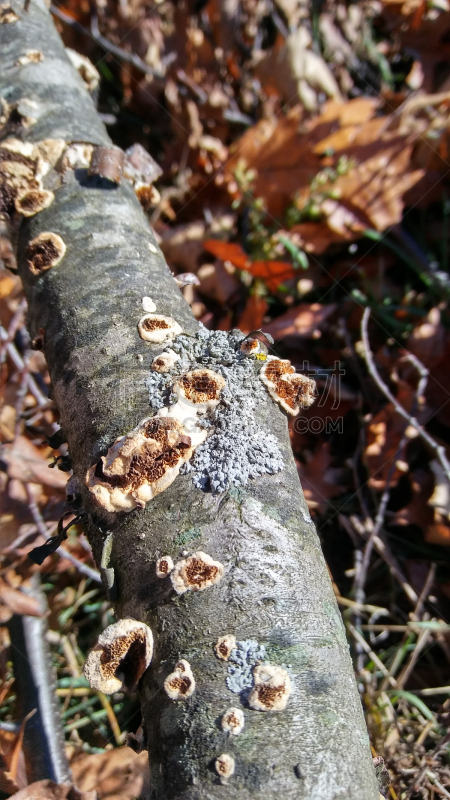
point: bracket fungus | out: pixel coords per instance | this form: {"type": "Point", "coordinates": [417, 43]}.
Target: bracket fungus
{"type": "Point", "coordinates": [139, 465]}
{"type": "Point", "coordinates": [233, 721]}
{"type": "Point", "coordinates": [164, 566]}
{"type": "Point", "coordinates": [85, 68]}
{"type": "Point", "coordinates": [33, 201]}
{"type": "Point", "coordinates": [224, 646]}
{"type": "Point", "coordinates": [271, 689]}
{"type": "Point", "coordinates": [225, 765]}
{"type": "Point", "coordinates": [158, 328]}
{"type": "Point", "coordinates": [165, 361]}
{"type": "Point", "coordinates": [180, 684]}
{"type": "Point", "coordinates": [196, 573]}
{"type": "Point", "coordinates": [44, 252]}
{"type": "Point", "coordinates": [201, 387]}
{"type": "Point", "coordinates": [120, 658]}
{"type": "Point", "coordinates": [289, 389]}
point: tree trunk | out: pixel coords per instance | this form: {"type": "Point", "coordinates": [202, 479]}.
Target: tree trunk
{"type": "Point", "coordinates": [275, 589]}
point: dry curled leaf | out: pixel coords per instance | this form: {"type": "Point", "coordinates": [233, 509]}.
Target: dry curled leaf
{"type": "Point", "coordinates": [118, 774]}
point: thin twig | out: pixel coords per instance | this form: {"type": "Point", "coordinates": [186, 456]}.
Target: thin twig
{"type": "Point", "coordinates": [43, 529]}
{"type": "Point", "coordinates": [437, 449]}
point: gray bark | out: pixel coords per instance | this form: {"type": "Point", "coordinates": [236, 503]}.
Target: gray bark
{"type": "Point", "coordinates": [276, 588]}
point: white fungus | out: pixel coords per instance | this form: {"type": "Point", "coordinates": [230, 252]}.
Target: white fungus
{"type": "Point", "coordinates": [164, 567]}
{"type": "Point", "coordinates": [165, 361]}
{"type": "Point", "coordinates": [290, 390]}
{"type": "Point", "coordinates": [196, 573]}
{"type": "Point", "coordinates": [120, 658]}
{"type": "Point", "coordinates": [158, 328]}
{"type": "Point", "coordinates": [233, 721]}
{"type": "Point", "coordinates": [224, 646]}
{"type": "Point", "coordinates": [180, 684]}
{"type": "Point", "coordinates": [225, 765]}
{"type": "Point", "coordinates": [271, 690]}
{"type": "Point", "coordinates": [148, 304]}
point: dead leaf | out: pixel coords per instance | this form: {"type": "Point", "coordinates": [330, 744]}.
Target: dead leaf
{"type": "Point", "coordinates": [384, 434]}
{"type": "Point", "coordinates": [319, 479]}
{"type": "Point", "coordinates": [49, 790]}
{"type": "Point", "coordinates": [118, 774]}
{"type": "Point", "coordinates": [18, 602]}
{"type": "Point", "coordinates": [253, 314]}
{"type": "Point", "coordinates": [228, 251]}
{"type": "Point", "coordinates": [301, 321]}
{"type": "Point", "coordinates": [26, 463]}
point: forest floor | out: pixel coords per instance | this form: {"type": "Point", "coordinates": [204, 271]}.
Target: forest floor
{"type": "Point", "coordinates": [305, 161]}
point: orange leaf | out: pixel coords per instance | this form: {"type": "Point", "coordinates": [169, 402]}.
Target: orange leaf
{"type": "Point", "coordinates": [272, 272]}
{"type": "Point", "coordinates": [228, 251]}
{"type": "Point", "coordinates": [253, 315]}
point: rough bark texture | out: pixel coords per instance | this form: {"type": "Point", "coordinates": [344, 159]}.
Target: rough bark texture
{"type": "Point", "coordinates": [276, 588]}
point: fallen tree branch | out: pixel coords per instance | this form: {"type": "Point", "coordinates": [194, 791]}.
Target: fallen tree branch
{"type": "Point", "coordinates": [274, 586]}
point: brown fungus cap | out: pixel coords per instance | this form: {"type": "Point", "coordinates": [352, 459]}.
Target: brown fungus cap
{"type": "Point", "coordinates": [44, 252]}
{"type": "Point", "coordinates": [201, 387]}
{"type": "Point", "coordinates": [139, 465]}
{"type": "Point", "coordinates": [196, 573]}
{"type": "Point", "coordinates": [251, 347]}
{"type": "Point", "coordinates": [120, 658]}
{"type": "Point", "coordinates": [158, 328]}
{"type": "Point", "coordinates": [224, 646]}
{"type": "Point", "coordinates": [225, 765]}
{"type": "Point", "coordinates": [164, 566]}
{"type": "Point", "coordinates": [165, 361]}
{"type": "Point", "coordinates": [233, 721]}
{"type": "Point", "coordinates": [33, 201]}
{"type": "Point", "coordinates": [180, 684]}
{"type": "Point", "coordinates": [271, 690]}
{"type": "Point", "coordinates": [290, 390]}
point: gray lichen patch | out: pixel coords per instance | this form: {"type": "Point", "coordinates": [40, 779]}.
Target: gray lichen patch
{"type": "Point", "coordinates": [241, 662]}
{"type": "Point", "coordinates": [238, 449]}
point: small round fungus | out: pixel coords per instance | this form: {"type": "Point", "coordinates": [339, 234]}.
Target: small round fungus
{"type": "Point", "coordinates": [165, 361]}
{"type": "Point", "coordinates": [201, 387]}
{"type": "Point", "coordinates": [271, 689]}
{"type": "Point", "coordinates": [233, 721]}
{"type": "Point", "coordinates": [196, 573]}
{"type": "Point", "coordinates": [158, 328]}
{"type": "Point", "coordinates": [225, 765]}
{"type": "Point", "coordinates": [224, 646]}
{"type": "Point", "coordinates": [290, 390]}
{"type": "Point", "coordinates": [44, 252]}
{"type": "Point", "coordinates": [148, 305]}
{"type": "Point", "coordinates": [180, 684]}
{"type": "Point", "coordinates": [164, 567]}
{"type": "Point", "coordinates": [30, 203]}
{"type": "Point", "coordinates": [120, 658]}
